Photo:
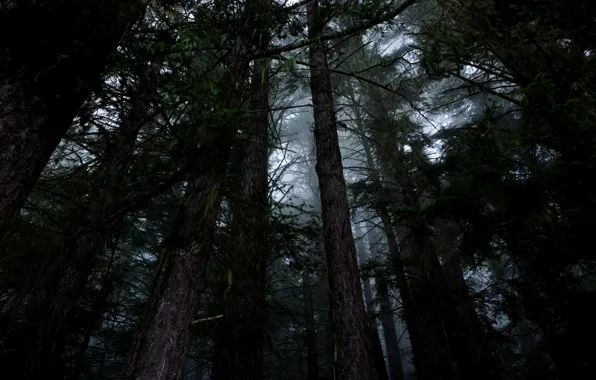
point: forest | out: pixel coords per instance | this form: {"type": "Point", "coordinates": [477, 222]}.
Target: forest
{"type": "Point", "coordinates": [297, 189]}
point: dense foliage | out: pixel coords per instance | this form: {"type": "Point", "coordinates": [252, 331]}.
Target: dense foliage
{"type": "Point", "coordinates": [310, 190]}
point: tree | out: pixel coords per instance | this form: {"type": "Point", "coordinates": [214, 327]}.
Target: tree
{"type": "Point", "coordinates": [162, 338]}
{"type": "Point", "coordinates": [386, 315]}
{"type": "Point", "coordinates": [465, 142]}
{"type": "Point", "coordinates": [239, 337]}
{"type": "Point", "coordinates": [352, 341]}
{"type": "Point", "coordinates": [369, 300]}
{"type": "Point", "coordinates": [46, 76]}
{"type": "Point", "coordinates": [535, 76]}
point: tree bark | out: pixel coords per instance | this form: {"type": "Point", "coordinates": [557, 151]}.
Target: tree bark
{"type": "Point", "coordinates": [352, 342]}
{"type": "Point", "coordinates": [162, 338]}
{"type": "Point", "coordinates": [313, 181]}
{"type": "Point", "coordinates": [161, 342]}
{"type": "Point", "coordinates": [45, 76]}
{"type": "Point", "coordinates": [239, 338]}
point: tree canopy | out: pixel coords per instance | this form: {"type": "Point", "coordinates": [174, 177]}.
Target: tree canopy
{"type": "Point", "coordinates": [315, 189]}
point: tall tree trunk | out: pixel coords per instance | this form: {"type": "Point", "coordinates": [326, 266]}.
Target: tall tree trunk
{"type": "Point", "coordinates": [352, 342]}
{"type": "Point", "coordinates": [310, 338]}
{"type": "Point", "coordinates": [422, 349]}
{"type": "Point", "coordinates": [462, 353]}
{"type": "Point", "coordinates": [426, 337]}
{"type": "Point", "coordinates": [45, 76]}
{"type": "Point", "coordinates": [162, 338]}
{"type": "Point", "coordinates": [451, 343]}
{"type": "Point", "coordinates": [58, 319]}
{"type": "Point", "coordinates": [389, 333]}
{"type": "Point", "coordinates": [239, 338]}
{"type": "Point", "coordinates": [386, 316]}
{"type": "Point", "coordinates": [429, 292]}
{"type": "Point", "coordinates": [464, 306]}
{"type": "Point", "coordinates": [161, 342]}
{"type": "Point", "coordinates": [466, 352]}
{"type": "Point", "coordinates": [313, 182]}
{"type": "Point", "coordinates": [102, 362]}
{"type": "Point", "coordinates": [369, 300]}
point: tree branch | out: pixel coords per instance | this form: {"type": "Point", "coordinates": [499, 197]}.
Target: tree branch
{"type": "Point", "coordinates": [196, 322]}
{"type": "Point", "coordinates": [384, 17]}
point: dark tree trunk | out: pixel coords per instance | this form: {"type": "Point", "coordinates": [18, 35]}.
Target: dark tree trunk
{"type": "Point", "coordinates": [426, 337]}
{"type": "Point", "coordinates": [369, 300]}
{"type": "Point", "coordinates": [198, 373]}
{"type": "Point", "coordinates": [102, 363]}
{"type": "Point", "coordinates": [450, 344]}
{"type": "Point", "coordinates": [465, 352]}
{"type": "Point", "coordinates": [389, 333]}
{"type": "Point", "coordinates": [380, 368]}
{"type": "Point", "coordinates": [161, 342]}
{"type": "Point", "coordinates": [422, 349]}
{"type": "Point", "coordinates": [162, 339]}
{"type": "Point", "coordinates": [58, 316]}
{"type": "Point", "coordinates": [329, 336]}
{"type": "Point", "coordinates": [452, 266]}
{"type": "Point", "coordinates": [45, 76]}
{"type": "Point", "coordinates": [313, 181]}
{"type": "Point", "coordinates": [417, 269]}
{"type": "Point", "coordinates": [310, 337]}
{"type": "Point", "coordinates": [239, 338]}
{"type": "Point", "coordinates": [386, 316]}
{"type": "Point", "coordinates": [352, 341]}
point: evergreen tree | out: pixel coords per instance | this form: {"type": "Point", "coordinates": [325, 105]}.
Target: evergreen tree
{"type": "Point", "coordinates": [168, 212]}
